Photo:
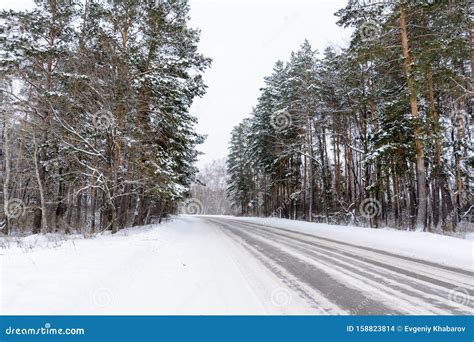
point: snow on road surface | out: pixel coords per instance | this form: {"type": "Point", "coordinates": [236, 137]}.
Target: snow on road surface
{"type": "Point", "coordinates": [219, 265]}
{"type": "Point", "coordinates": [445, 250]}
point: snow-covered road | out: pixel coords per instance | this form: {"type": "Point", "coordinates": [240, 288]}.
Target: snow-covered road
{"type": "Point", "coordinates": [217, 265]}
{"type": "Point", "coordinates": [335, 277]}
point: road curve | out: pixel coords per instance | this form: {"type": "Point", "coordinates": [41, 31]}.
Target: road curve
{"type": "Point", "coordinates": [335, 277]}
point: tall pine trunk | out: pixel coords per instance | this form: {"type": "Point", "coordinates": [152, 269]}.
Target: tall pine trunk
{"type": "Point", "coordinates": [420, 164]}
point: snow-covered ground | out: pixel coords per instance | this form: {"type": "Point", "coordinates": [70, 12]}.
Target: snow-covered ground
{"type": "Point", "coordinates": [180, 267]}
{"type": "Point", "coordinates": [195, 265]}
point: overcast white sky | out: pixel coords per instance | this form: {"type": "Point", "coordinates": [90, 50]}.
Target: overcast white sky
{"type": "Point", "coordinates": [245, 38]}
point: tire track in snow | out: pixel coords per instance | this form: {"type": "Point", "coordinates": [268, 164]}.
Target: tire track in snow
{"type": "Point", "coordinates": [374, 294]}
{"type": "Point", "coordinates": [376, 287]}
{"type": "Point", "coordinates": [336, 292]}
{"type": "Point", "coordinates": [447, 277]}
{"type": "Point", "coordinates": [393, 280]}
{"type": "Point", "coordinates": [389, 284]}
{"type": "Point", "coordinates": [315, 299]}
{"type": "Point", "coordinates": [437, 295]}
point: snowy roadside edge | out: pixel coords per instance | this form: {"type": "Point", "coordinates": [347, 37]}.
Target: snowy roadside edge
{"type": "Point", "coordinates": [10, 245]}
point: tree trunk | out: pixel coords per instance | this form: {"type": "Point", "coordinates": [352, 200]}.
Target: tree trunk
{"type": "Point", "coordinates": [39, 179]}
{"type": "Point", "coordinates": [437, 155]}
{"type": "Point", "coordinates": [6, 177]}
{"type": "Point", "coordinates": [420, 165]}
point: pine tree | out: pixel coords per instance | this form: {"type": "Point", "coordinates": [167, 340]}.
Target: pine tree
{"type": "Point", "coordinates": [106, 89]}
{"type": "Point", "coordinates": [380, 132]}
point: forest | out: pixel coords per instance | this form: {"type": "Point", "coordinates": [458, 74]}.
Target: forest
{"type": "Point", "coordinates": [376, 134]}
{"type": "Point", "coordinates": [96, 132]}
